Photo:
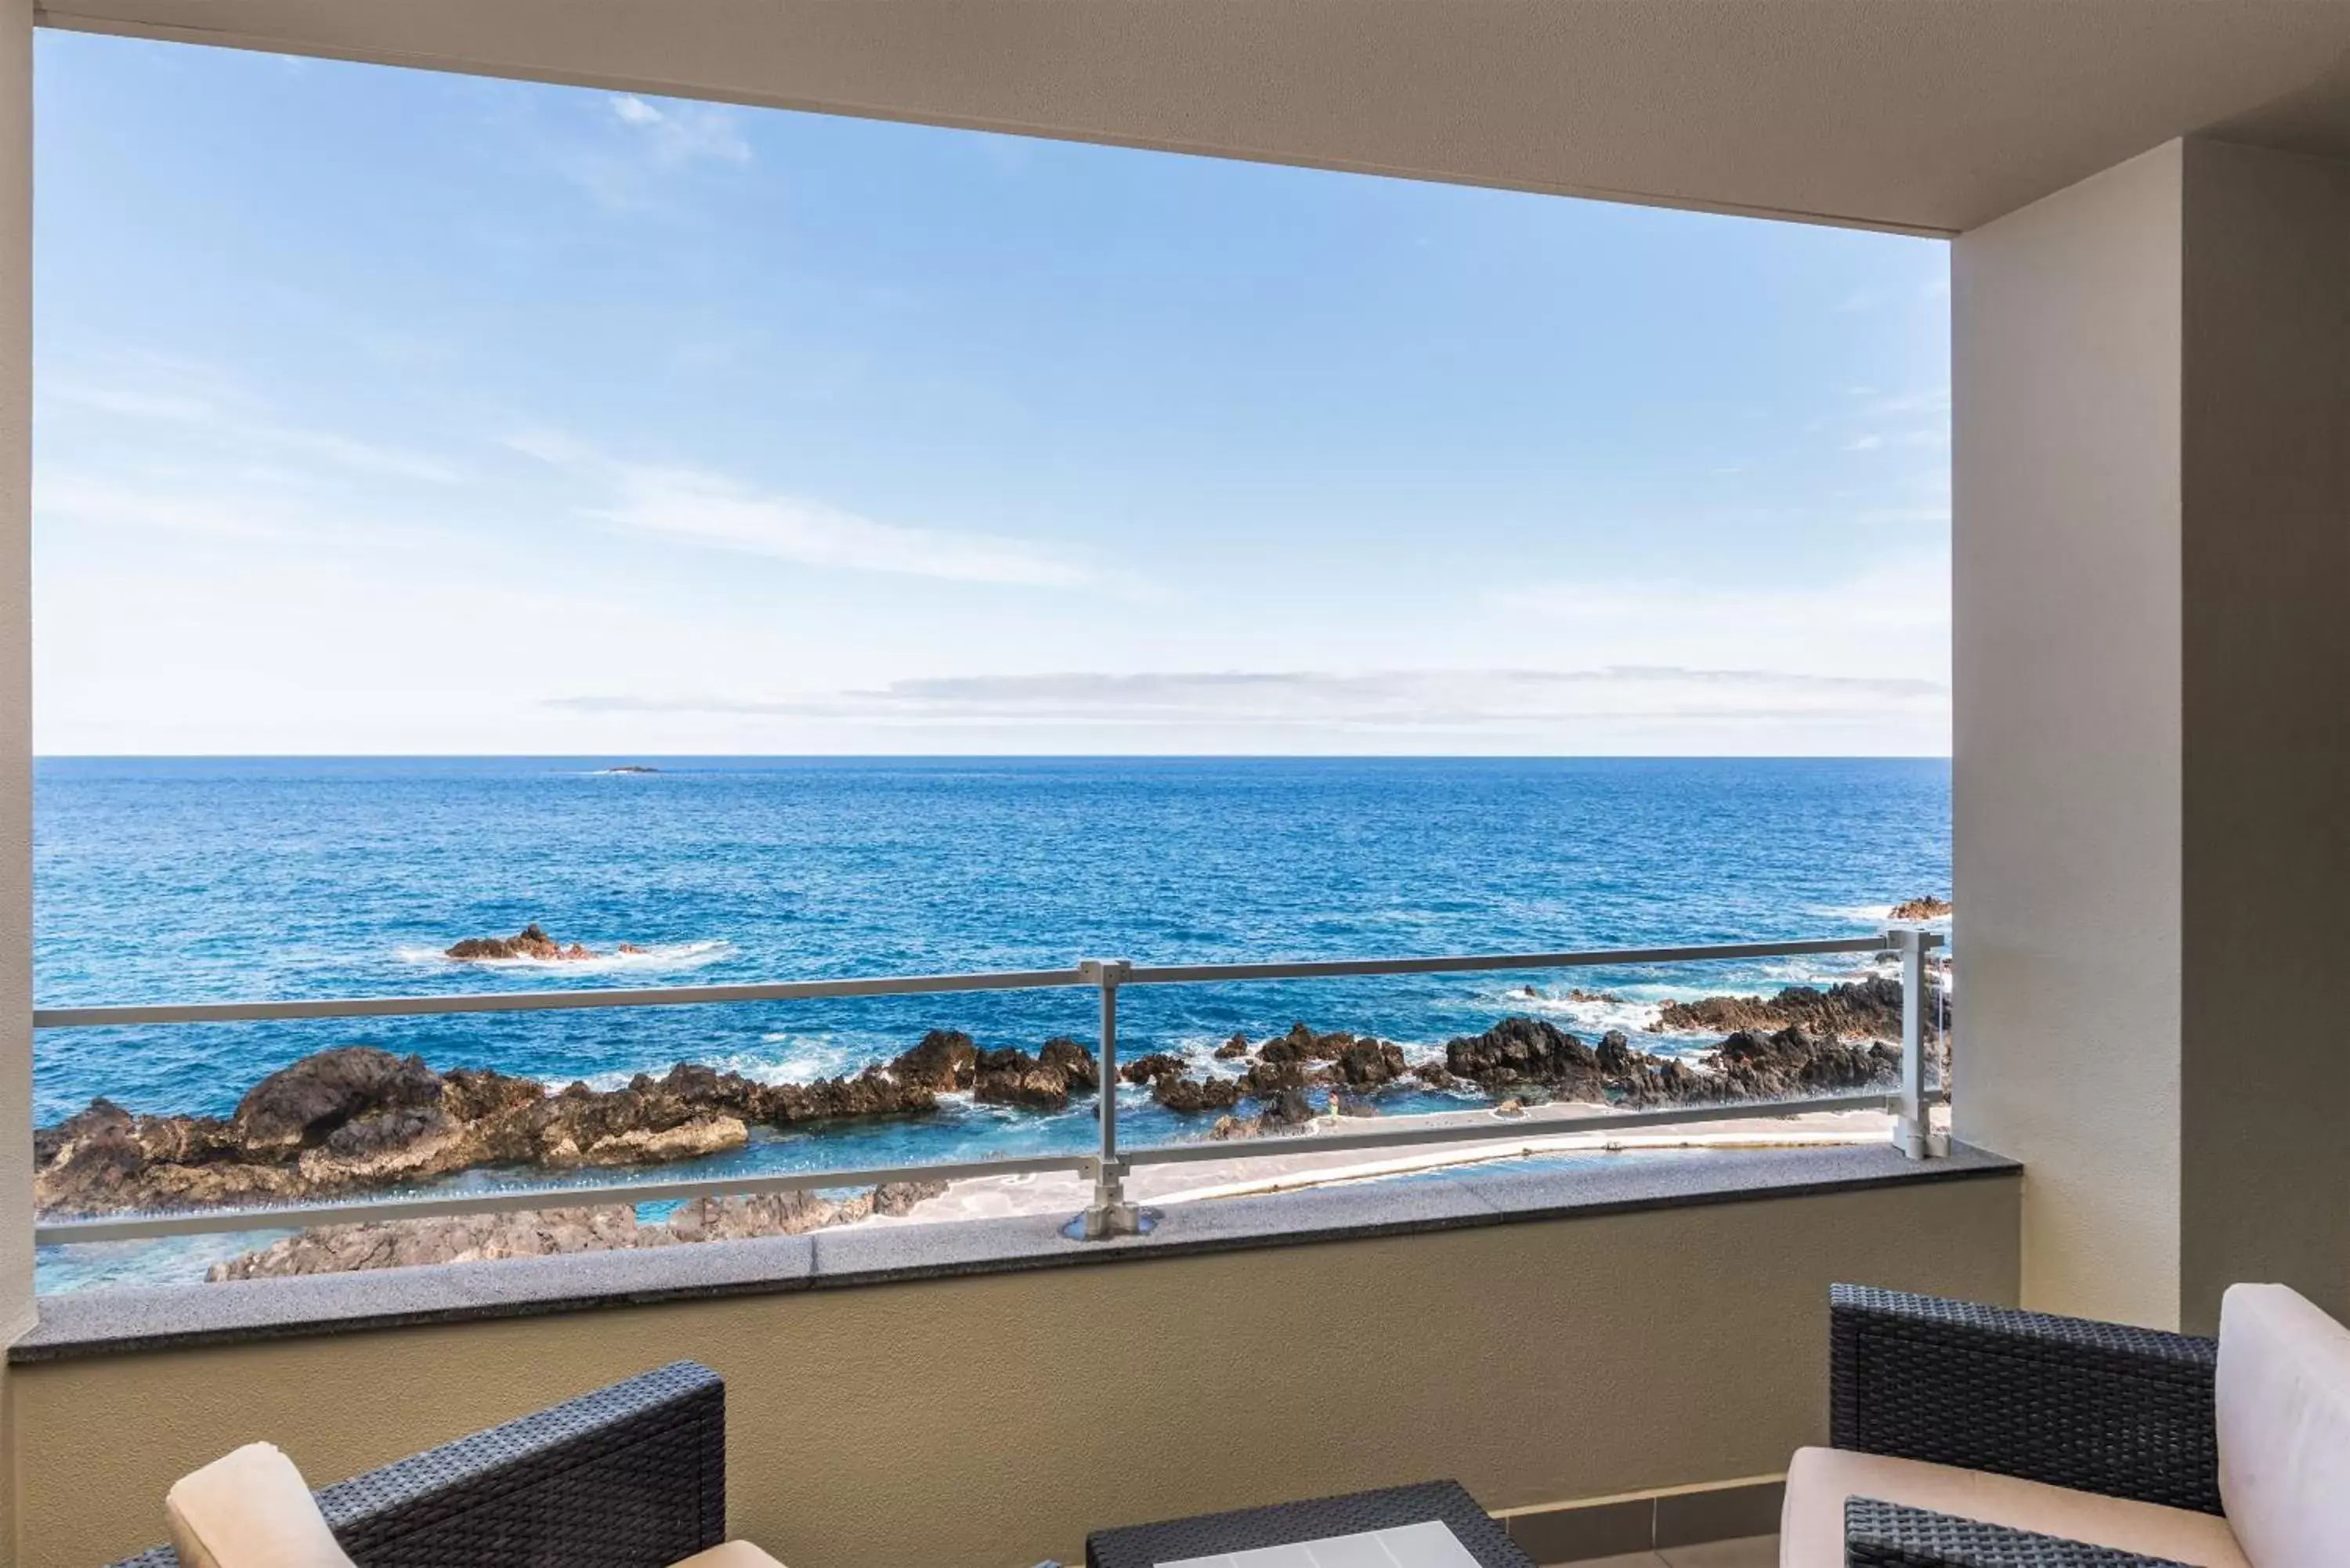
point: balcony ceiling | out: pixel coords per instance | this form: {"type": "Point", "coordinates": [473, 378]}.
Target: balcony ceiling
{"type": "Point", "coordinates": [1923, 115]}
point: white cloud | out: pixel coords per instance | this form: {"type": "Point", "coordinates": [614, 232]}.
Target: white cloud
{"type": "Point", "coordinates": [1889, 618]}
{"type": "Point", "coordinates": [277, 517]}
{"type": "Point", "coordinates": [136, 402]}
{"type": "Point", "coordinates": [548, 445]}
{"type": "Point", "coordinates": [634, 157]}
{"type": "Point", "coordinates": [1873, 420]}
{"type": "Point", "coordinates": [365, 456]}
{"type": "Point", "coordinates": [158, 389]}
{"type": "Point", "coordinates": [221, 653]}
{"type": "Point", "coordinates": [1625, 709]}
{"type": "Point", "coordinates": [1931, 401]}
{"type": "Point", "coordinates": [700, 508]}
{"type": "Point", "coordinates": [677, 133]}
{"type": "Point", "coordinates": [1406, 699]}
{"type": "Point", "coordinates": [67, 497]}
{"type": "Point", "coordinates": [689, 505]}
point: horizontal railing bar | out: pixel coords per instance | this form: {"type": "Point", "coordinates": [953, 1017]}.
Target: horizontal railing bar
{"type": "Point", "coordinates": [534, 1001]}
{"type": "Point", "coordinates": [1531, 1128]}
{"type": "Point", "coordinates": [198, 1222]}
{"type": "Point", "coordinates": [1184, 974]}
{"type": "Point", "coordinates": [916, 985]}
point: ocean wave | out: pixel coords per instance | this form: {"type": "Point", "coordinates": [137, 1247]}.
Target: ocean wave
{"type": "Point", "coordinates": [1801, 969]}
{"type": "Point", "coordinates": [788, 1058]}
{"type": "Point", "coordinates": [1634, 1008]}
{"type": "Point", "coordinates": [659, 957]}
{"type": "Point", "coordinates": [1198, 1051]}
{"type": "Point", "coordinates": [1591, 1013]}
{"type": "Point", "coordinates": [1871, 913]}
{"type": "Point", "coordinates": [802, 1060]}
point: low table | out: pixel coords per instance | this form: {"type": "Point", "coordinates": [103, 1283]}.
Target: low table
{"type": "Point", "coordinates": [1433, 1525]}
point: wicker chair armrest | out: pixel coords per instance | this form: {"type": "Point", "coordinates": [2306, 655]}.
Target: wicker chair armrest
{"type": "Point", "coordinates": [2095, 1407]}
{"type": "Point", "coordinates": [1891, 1535]}
{"type": "Point", "coordinates": [632, 1476]}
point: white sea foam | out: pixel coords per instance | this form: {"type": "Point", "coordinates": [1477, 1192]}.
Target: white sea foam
{"type": "Point", "coordinates": [1199, 1054]}
{"type": "Point", "coordinates": [1853, 911]}
{"type": "Point", "coordinates": [1801, 969]}
{"type": "Point", "coordinates": [803, 1058]}
{"type": "Point", "coordinates": [786, 1059]}
{"type": "Point", "coordinates": [1873, 914]}
{"type": "Point", "coordinates": [660, 958]}
{"type": "Point", "coordinates": [1592, 1012]}
{"type": "Point", "coordinates": [1634, 1008]}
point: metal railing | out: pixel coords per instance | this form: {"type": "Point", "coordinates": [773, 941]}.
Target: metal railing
{"type": "Point", "coordinates": [1110, 1212]}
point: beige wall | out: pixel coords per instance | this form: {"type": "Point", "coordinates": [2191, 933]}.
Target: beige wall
{"type": "Point", "coordinates": [2265, 467]}
{"type": "Point", "coordinates": [15, 662]}
{"type": "Point", "coordinates": [15, 699]}
{"type": "Point", "coordinates": [2065, 650]}
{"type": "Point", "coordinates": [2151, 374]}
{"type": "Point", "coordinates": [992, 1421]}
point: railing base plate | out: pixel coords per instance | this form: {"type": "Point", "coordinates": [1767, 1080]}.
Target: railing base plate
{"type": "Point", "coordinates": [1107, 1224]}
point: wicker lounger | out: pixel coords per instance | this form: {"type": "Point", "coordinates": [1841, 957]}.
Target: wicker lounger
{"type": "Point", "coordinates": [2093, 1406]}
{"type": "Point", "coordinates": [632, 1476]}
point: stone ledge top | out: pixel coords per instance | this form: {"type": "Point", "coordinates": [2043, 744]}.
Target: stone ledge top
{"type": "Point", "coordinates": [122, 1320]}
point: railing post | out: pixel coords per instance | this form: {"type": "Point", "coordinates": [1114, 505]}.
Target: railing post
{"type": "Point", "coordinates": [1109, 1214]}
{"type": "Point", "coordinates": [1913, 1132]}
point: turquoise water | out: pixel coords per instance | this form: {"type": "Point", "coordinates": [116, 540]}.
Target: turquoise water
{"type": "Point", "coordinates": [190, 880]}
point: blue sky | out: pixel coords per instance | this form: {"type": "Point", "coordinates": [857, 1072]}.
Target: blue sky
{"type": "Point", "coordinates": [387, 412]}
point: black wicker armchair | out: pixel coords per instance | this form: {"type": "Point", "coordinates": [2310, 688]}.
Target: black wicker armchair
{"type": "Point", "coordinates": [632, 1476]}
{"type": "Point", "coordinates": [2090, 1406]}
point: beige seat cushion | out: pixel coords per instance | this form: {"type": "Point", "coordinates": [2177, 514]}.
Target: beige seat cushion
{"type": "Point", "coordinates": [250, 1508]}
{"type": "Point", "coordinates": [734, 1554]}
{"type": "Point", "coordinates": [1811, 1523]}
{"type": "Point", "coordinates": [2285, 1428]}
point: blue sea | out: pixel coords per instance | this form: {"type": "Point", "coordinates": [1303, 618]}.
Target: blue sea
{"type": "Point", "coordinates": [177, 881]}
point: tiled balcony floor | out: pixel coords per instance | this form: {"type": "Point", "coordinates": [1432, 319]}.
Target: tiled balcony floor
{"type": "Point", "coordinates": [1753, 1552]}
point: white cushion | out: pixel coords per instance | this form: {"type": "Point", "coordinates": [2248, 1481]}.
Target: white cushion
{"type": "Point", "coordinates": [2285, 1428]}
{"type": "Point", "coordinates": [734, 1554]}
{"type": "Point", "coordinates": [1810, 1522]}
{"type": "Point", "coordinates": [250, 1508]}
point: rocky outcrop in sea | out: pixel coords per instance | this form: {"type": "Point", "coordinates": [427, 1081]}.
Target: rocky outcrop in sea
{"type": "Point", "coordinates": [531, 942]}
{"type": "Point", "coordinates": [1866, 1009]}
{"type": "Point", "coordinates": [356, 1118]}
